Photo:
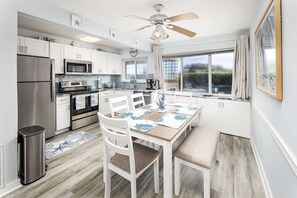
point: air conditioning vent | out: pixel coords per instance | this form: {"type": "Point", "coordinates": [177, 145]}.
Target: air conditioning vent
{"type": "Point", "coordinates": [1, 167]}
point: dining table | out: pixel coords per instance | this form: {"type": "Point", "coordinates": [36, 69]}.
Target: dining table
{"type": "Point", "coordinates": [166, 136]}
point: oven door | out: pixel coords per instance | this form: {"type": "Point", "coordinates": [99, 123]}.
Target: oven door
{"type": "Point", "coordinates": [79, 107]}
{"type": "Point", "coordinates": [75, 67]}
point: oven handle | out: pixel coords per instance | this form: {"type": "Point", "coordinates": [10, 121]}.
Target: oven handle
{"type": "Point", "coordinates": [86, 95]}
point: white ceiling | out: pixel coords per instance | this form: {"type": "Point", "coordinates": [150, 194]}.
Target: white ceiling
{"type": "Point", "coordinates": [216, 17]}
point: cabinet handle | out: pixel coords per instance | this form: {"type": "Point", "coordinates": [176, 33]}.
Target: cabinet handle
{"type": "Point", "coordinates": [22, 48]}
{"type": "Point", "coordinates": [220, 104]}
{"type": "Point", "coordinates": [223, 104]}
{"type": "Point", "coordinates": [26, 49]}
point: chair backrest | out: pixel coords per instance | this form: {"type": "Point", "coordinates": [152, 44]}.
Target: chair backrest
{"type": "Point", "coordinates": [137, 100]}
{"type": "Point", "coordinates": [118, 105]}
{"type": "Point", "coordinates": [183, 96]}
{"type": "Point", "coordinates": [115, 131]}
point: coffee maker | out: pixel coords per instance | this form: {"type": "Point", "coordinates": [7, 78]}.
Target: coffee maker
{"type": "Point", "coordinates": [152, 84]}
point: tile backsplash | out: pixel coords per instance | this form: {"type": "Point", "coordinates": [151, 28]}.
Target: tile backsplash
{"type": "Point", "coordinates": [92, 81]}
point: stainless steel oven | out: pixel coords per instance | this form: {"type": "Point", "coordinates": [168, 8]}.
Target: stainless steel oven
{"type": "Point", "coordinates": [77, 67]}
{"type": "Point", "coordinates": [85, 114]}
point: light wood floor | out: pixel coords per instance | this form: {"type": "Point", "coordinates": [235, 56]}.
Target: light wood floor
{"type": "Point", "coordinates": [78, 173]}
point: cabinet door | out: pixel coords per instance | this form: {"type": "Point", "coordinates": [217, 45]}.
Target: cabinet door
{"type": "Point", "coordinates": [236, 118]}
{"type": "Point", "coordinates": [57, 53]}
{"type": "Point", "coordinates": [70, 52]}
{"type": "Point", "coordinates": [83, 54]}
{"type": "Point", "coordinates": [62, 112]}
{"type": "Point", "coordinates": [117, 64]}
{"type": "Point", "coordinates": [103, 63]}
{"type": "Point", "coordinates": [95, 61]}
{"type": "Point", "coordinates": [104, 105]}
{"type": "Point", "coordinates": [36, 47]}
{"type": "Point", "coordinates": [211, 114]}
{"type": "Point", "coordinates": [21, 44]}
{"type": "Point", "coordinates": [110, 63]}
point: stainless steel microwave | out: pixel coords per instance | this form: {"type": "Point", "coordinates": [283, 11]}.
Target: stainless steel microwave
{"type": "Point", "coordinates": [77, 67]}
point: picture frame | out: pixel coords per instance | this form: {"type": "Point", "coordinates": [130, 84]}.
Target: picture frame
{"type": "Point", "coordinates": [268, 51]}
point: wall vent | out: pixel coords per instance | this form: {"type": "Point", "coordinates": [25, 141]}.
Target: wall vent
{"type": "Point", "coordinates": [1, 167]}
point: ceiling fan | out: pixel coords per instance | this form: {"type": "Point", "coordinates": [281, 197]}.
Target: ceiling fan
{"type": "Point", "coordinates": [161, 20]}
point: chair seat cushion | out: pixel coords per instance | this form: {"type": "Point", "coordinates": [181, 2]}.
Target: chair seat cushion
{"type": "Point", "coordinates": [199, 147]}
{"type": "Point", "coordinates": [143, 157]}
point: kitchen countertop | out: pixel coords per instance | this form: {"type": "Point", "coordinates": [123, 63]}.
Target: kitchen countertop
{"type": "Point", "coordinates": [195, 94]}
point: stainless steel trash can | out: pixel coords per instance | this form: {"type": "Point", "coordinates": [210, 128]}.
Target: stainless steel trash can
{"type": "Point", "coordinates": [31, 153]}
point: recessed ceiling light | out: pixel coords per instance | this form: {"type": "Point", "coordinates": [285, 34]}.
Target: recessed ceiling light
{"type": "Point", "coordinates": [89, 39]}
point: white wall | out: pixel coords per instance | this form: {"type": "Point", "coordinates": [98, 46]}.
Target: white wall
{"type": "Point", "coordinates": [8, 98]}
{"type": "Point", "coordinates": [282, 115]}
{"type": "Point", "coordinates": [204, 44]}
{"type": "Point", "coordinates": [141, 54]}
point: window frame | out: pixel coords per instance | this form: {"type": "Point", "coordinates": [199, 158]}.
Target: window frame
{"type": "Point", "coordinates": [209, 54]}
{"type": "Point", "coordinates": [135, 61]}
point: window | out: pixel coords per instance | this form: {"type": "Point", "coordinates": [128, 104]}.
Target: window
{"type": "Point", "coordinates": [195, 73]}
{"type": "Point", "coordinates": [221, 72]}
{"type": "Point", "coordinates": [136, 69]}
{"type": "Point", "coordinates": [205, 73]}
{"type": "Point", "coordinates": [171, 71]}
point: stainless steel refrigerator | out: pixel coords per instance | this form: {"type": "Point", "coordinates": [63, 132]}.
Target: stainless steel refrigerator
{"type": "Point", "coordinates": [36, 93]}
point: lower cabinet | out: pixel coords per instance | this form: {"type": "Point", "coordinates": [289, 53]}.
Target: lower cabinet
{"type": "Point", "coordinates": [227, 116]}
{"type": "Point", "coordinates": [62, 112]}
{"type": "Point", "coordinates": [104, 101]}
{"type": "Point", "coordinates": [235, 118]}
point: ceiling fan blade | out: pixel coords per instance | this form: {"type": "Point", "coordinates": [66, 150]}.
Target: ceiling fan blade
{"type": "Point", "coordinates": [186, 16]}
{"type": "Point", "coordinates": [137, 17]}
{"type": "Point", "coordinates": [181, 30]}
{"type": "Point", "coordinates": [140, 28]}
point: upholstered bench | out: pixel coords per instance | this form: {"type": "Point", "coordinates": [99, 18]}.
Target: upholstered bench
{"type": "Point", "coordinates": [197, 151]}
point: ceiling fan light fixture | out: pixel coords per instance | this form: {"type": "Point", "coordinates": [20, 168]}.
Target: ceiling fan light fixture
{"type": "Point", "coordinates": [159, 33]}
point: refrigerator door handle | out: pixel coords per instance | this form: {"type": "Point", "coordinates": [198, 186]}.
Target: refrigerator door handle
{"type": "Point", "coordinates": [53, 91]}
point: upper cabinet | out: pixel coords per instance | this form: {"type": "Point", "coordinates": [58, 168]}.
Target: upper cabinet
{"type": "Point", "coordinates": [99, 62]}
{"type": "Point", "coordinates": [114, 63]}
{"type": "Point", "coordinates": [57, 53]}
{"type": "Point", "coordinates": [77, 53]}
{"type": "Point", "coordinates": [32, 47]}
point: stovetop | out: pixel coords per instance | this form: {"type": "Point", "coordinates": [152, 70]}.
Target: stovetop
{"type": "Point", "coordinates": [79, 92]}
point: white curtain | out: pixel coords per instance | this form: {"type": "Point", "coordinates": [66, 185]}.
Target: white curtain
{"type": "Point", "coordinates": [158, 65]}
{"type": "Point", "coordinates": [240, 79]}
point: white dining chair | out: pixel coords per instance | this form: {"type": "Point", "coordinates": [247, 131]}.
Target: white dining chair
{"type": "Point", "coordinates": [129, 161]}
{"type": "Point", "coordinates": [137, 100]}
{"type": "Point", "coordinates": [118, 105]}
{"type": "Point", "coordinates": [183, 97]}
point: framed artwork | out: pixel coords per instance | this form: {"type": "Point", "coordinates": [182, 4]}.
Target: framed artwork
{"type": "Point", "coordinates": [268, 51]}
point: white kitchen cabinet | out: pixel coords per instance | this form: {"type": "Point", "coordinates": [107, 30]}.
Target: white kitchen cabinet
{"type": "Point", "coordinates": [104, 101]}
{"type": "Point", "coordinates": [114, 63]}
{"type": "Point", "coordinates": [235, 118]}
{"type": "Point", "coordinates": [57, 53]}
{"type": "Point", "coordinates": [99, 62]}
{"type": "Point", "coordinates": [62, 112]}
{"type": "Point", "coordinates": [227, 116]}
{"type": "Point", "coordinates": [211, 114]}
{"type": "Point", "coordinates": [77, 53]}
{"type": "Point", "coordinates": [32, 47]}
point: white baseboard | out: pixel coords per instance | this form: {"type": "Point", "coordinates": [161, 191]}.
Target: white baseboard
{"type": "Point", "coordinates": [261, 170]}
{"type": "Point", "coordinates": [12, 186]}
